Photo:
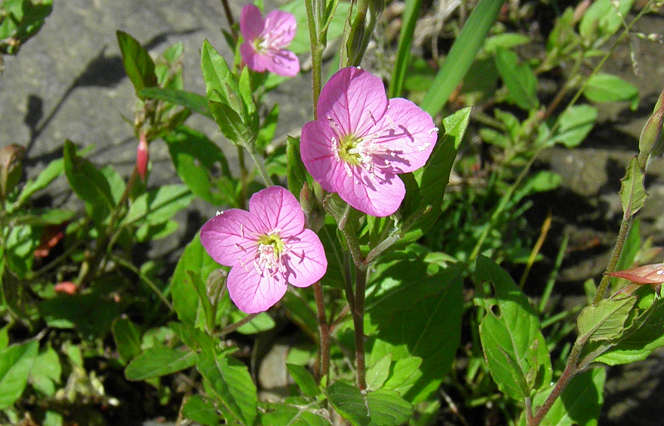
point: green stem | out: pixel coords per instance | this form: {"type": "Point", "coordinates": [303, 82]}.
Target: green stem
{"type": "Point", "coordinates": [323, 331]}
{"type": "Point", "coordinates": [243, 177]}
{"type": "Point", "coordinates": [316, 55]}
{"type": "Point", "coordinates": [260, 166]}
{"type": "Point", "coordinates": [145, 279]}
{"type": "Point", "coordinates": [358, 324]}
{"type": "Point", "coordinates": [625, 226]}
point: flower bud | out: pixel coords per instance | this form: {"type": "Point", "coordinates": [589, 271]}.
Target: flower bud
{"type": "Point", "coordinates": [650, 141]}
{"type": "Point", "coordinates": [142, 156]}
{"type": "Point", "coordinates": [11, 167]}
{"type": "Point", "coordinates": [66, 287]}
{"type": "Point", "coordinates": [313, 213]}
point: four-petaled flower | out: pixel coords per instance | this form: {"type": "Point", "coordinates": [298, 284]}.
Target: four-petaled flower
{"type": "Point", "coordinates": [267, 248]}
{"type": "Point", "coordinates": [361, 141]}
{"type": "Point", "coordinates": [265, 39]}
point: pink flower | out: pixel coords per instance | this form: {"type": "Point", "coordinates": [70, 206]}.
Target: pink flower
{"type": "Point", "coordinates": [361, 141]}
{"type": "Point", "coordinates": [266, 247]}
{"type": "Point", "coordinates": [265, 39]}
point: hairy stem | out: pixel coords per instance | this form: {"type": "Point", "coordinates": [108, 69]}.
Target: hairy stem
{"type": "Point", "coordinates": [323, 330]}
{"type": "Point", "coordinates": [358, 324]}
{"type": "Point", "coordinates": [625, 226]}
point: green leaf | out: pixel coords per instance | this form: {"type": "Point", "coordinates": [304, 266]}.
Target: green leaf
{"type": "Point", "coordinates": [216, 74]}
{"type": "Point", "coordinates": [159, 361]}
{"type": "Point", "coordinates": [88, 183]}
{"type": "Point", "coordinates": [15, 364]}
{"type": "Point", "coordinates": [519, 79]}
{"type": "Point", "coordinates": [513, 345]}
{"type": "Point", "coordinates": [381, 407]}
{"type": "Point", "coordinates": [605, 320]}
{"type": "Point", "coordinates": [53, 418]}
{"type": "Point", "coordinates": [231, 384]}
{"type": "Point", "coordinates": [632, 190]}
{"type": "Point", "coordinates": [229, 122]}
{"type": "Point", "coordinates": [198, 161]}
{"type": "Point", "coordinates": [127, 339]}
{"type": "Point", "coordinates": [405, 373]}
{"type": "Point", "coordinates": [420, 318]}
{"type": "Point", "coordinates": [505, 41]}
{"type": "Point", "coordinates": [305, 381]}
{"type": "Point", "coordinates": [295, 170]}
{"type": "Point", "coordinates": [378, 373]}
{"type": "Point", "coordinates": [580, 402]}
{"type": "Point", "coordinates": [282, 414]}
{"type": "Point", "coordinates": [54, 169]}
{"type": "Point", "coordinates": [610, 88]}
{"type": "Point", "coordinates": [574, 124]}
{"type": "Point", "coordinates": [262, 322]}
{"type": "Point", "coordinates": [138, 64]}
{"type": "Point", "coordinates": [602, 18]}
{"type": "Point", "coordinates": [433, 177]}
{"type": "Point", "coordinates": [46, 371]}
{"type": "Point", "coordinates": [193, 101]}
{"type": "Point", "coordinates": [185, 300]}
{"type": "Point", "coordinates": [641, 336]}
{"type": "Point", "coordinates": [158, 205]}
{"type": "Point", "coordinates": [462, 54]}
{"type": "Point", "coordinates": [201, 411]}
{"type": "Point", "coordinates": [541, 181]}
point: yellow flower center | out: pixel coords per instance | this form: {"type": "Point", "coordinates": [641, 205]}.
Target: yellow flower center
{"type": "Point", "coordinates": [348, 151]}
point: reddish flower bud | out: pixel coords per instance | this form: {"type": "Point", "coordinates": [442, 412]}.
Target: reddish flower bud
{"type": "Point", "coordinates": [66, 287]}
{"type": "Point", "coordinates": [142, 156]}
{"type": "Point", "coordinates": [49, 239]}
{"type": "Point", "coordinates": [646, 274]}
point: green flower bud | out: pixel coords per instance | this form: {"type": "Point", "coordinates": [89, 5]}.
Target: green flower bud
{"type": "Point", "coordinates": [650, 141]}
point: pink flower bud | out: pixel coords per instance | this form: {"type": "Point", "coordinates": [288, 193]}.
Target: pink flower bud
{"type": "Point", "coordinates": [66, 287]}
{"type": "Point", "coordinates": [646, 274]}
{"type": "Point", "coordinates": [142, 156]}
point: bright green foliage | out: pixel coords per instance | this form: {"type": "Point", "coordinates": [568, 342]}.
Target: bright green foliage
{"type": "Point", "coordinates": [138, 64]}
{"type": "Point", "coordinates": [20, 20]}
{"type": "Point", "coordinates": [519, 79]}
{"type": "Point", "coordinates": [610, 88]}
{"type": "Point", "coordinates": [15, 365]}
{"type": "Point", "coordinates": [380, 407]}
{"type": "Point", "coordinates": [632, 190]}
{"type": "Point", "coordinates": [201, 410]}
{"type": "Point", "coordinates": [159, 361]}
{"type": "Point", "coordinates": [605, 320]}
{"type": "Point", "coordinates": [512, 342]}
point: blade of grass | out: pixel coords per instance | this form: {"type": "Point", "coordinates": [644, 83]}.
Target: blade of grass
{"type": "Point", "coordinates": [461, 55]}
{"type": "Point", "coordinates": [554, 274]}
{"type": "Point", "coordinates": [403, 51]}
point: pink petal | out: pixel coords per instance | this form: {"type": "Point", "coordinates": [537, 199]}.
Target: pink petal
{"type": "Point", "coordinates": [278, 210]}
{"type": "Point", "coordinates": [316, 150]}
{"type": "Point", "coordinates": [254, 60]}
{"type": "Point", "coordinates": [251, 22]}
{"type": "Point", "coordinates": [406, 136]}
{"type": "Point", "coordinates": [252, 292]}
{"type": "Point", "coordinates": [280, 28]}
{"type": "Point", "coordinates": [283, 62]}
{"type": "Point", "coordinates": [230, 236]}
{"type": "Point", "coordinates": [353, 100]}
{"type": "Point", "coordinates": [646, 274]}
{"type": "Point", "coordinates": [306, 259]}
{"type": "Point", "coordinates": [376, 195]}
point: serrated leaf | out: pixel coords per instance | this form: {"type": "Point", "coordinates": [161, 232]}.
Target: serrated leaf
{"type": "Point", "coordinates": [54, 169]}
{"type": "Point", "coordinates": [519, 79]}
{"type": "Point", "coordinates": [231, 383]}
{"type": "Point", "coordinates": [138, 64]}
{"type": "Point", "coordinates": [605, 320]}
{"type": "Point", "coordinates": [158, 205]}
{"type": "Point", "coordinates": [46, 371]}
{"type": "Point", "coordinates": [513, 345]}
{"type": "Point", "coordinates": [201, 411]}
{"type": "Point", "coordinates": [127, 339]}
{"type": "Point", "coordinates": [610, 88]}
{"type": "Point", "coordinates": [419, 318]}
{"type": "Point", "coordinates": [159, 361]}
{"type": "Point", "coordinates": [88, 183]}
{"type": "Point", "coordinates": [378, 373]}
{"type": "Point", "coordinates": [185, 300]}
{"type": "Point", "coordinates": [193, 101]}
{"type": "Point", "coordinates": [305, 381]}
{"type": "Point", "coordinates": [381, 407]}
{"type": "Point", "coordinates": [15, 364]}
{"type": "Point", "coordinates": [632, 190]}
{"type": "Point", "coordinates": [574, 124]}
